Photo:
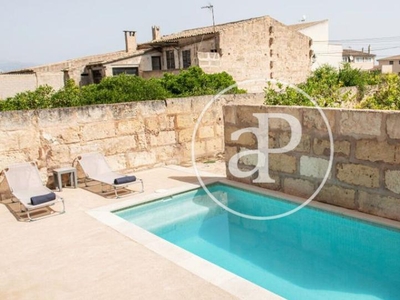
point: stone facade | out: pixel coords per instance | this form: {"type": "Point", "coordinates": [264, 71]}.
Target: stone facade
{"type": "Point", "coordinates": [366, 161]}
{"type": "Point", "coordinates": [253, 49]}
{"type": "Point", "coordinates": [81, 70]}
{"type": "Point", "coordinates": [263, 48]}
{"type": "Point", "coordinates": [131, 135]}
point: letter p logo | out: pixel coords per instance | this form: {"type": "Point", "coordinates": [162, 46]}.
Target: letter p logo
{"type": "Point", "coordinates": [263, 150]}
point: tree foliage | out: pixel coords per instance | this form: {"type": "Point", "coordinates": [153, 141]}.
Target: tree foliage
{"type": "Point", "coordinates": [387, 95]}
{"type": "Point", "coordinates": [325, 85]}
{"type": "Point", "coordinates": [39, 98]}
{"type": "Point", "coordinates": [194, 82]}
{"type": "Point", "coordinates": [123, 88]}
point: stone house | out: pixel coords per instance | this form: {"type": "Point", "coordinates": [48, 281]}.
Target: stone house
{"type": "Point", "coordinates": [248, 49]}
{"type": "Point", "coordinates": [257, 48]}
{"type": "Point", "coordinates": [359, 59]}
{"type": "Point", "coordinates": [390, 64]}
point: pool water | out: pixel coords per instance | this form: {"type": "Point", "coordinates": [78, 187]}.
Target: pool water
{"type": "Point", "coordinates": [312, 254]}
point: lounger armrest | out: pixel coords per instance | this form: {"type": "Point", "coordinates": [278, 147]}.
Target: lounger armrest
{"type": "Point", "coordinates": [36, 200]}
{"type": "Point", "coordinates": [125, 179]}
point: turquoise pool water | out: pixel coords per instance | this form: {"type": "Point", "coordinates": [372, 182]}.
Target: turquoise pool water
{"type": "Point", "coordinates": [312, 254]}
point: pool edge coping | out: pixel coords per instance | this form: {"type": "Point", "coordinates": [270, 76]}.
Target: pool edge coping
{"type": "Point", "coordinates": [225, 280]}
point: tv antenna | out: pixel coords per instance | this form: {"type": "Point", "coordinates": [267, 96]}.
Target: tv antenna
{"type": "Point", "coordinates": [211, 7]}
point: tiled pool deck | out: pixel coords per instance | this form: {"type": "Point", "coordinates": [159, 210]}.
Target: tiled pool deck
{"type": "Point", "coordinates": [87, 253]}
{"type": "Point", "coordinates": [74, 256]}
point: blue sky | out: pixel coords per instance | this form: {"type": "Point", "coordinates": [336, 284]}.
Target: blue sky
{"type": "Point", "coordinates": [45, 31]}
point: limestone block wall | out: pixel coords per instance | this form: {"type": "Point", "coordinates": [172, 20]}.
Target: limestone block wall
{"type": "Point", "coordinates": [132, 135]}
{"type": "Point", "coordinates": [365, 173]}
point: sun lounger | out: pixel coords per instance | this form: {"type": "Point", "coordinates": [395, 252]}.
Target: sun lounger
{"type": "Point", "coordinates": [27, 187]}
{"type": "Point", "coordinates": [95, 167]}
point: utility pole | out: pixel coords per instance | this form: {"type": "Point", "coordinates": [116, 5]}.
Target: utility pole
{"type": "Point", "coordinates": [211, 7]}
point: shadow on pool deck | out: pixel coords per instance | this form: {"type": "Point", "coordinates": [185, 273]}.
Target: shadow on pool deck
{"type": "Point", "coordinates": [15, 209]}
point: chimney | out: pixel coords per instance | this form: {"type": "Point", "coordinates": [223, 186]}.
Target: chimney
{"type": "Point", "coordinates": [155, 31]}
{"type": "Point", "coordinates": [369, 49]}
{"type": "Point", "coordinates": [130, 41]}
{"type": "Point", "coordinates": [362, 49]}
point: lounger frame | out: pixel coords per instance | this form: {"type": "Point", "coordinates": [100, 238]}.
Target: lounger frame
{"type": "Point", "coordinates": [34, 187]}
{"type": "Point", "coordinates": [96, 168]}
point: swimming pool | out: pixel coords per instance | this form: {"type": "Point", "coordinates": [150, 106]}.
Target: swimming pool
{"type": "Point", "coordinates": [312, 254]}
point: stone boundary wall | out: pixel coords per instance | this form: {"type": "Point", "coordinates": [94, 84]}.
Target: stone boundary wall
{"type": "Point", "coordinates": [352, 92]}
{"type": "Point", "coordinates": [365, 175]}
{"type": "Point", "coordinates": [132, 136]}
{"type": "Point", "coordinates": [12, 84]}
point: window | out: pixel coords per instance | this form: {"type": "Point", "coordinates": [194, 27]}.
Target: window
{"type": "Point", "coordinates": [390, 62]}
{"type": "Point", "coordinates": [156, 63]}
{"type": "Point", "coordinates": [170, 59]}
{"type": "Point", "coordinates": [125, 70]}
{"type": "Point", "coordinates": [187, 61]}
